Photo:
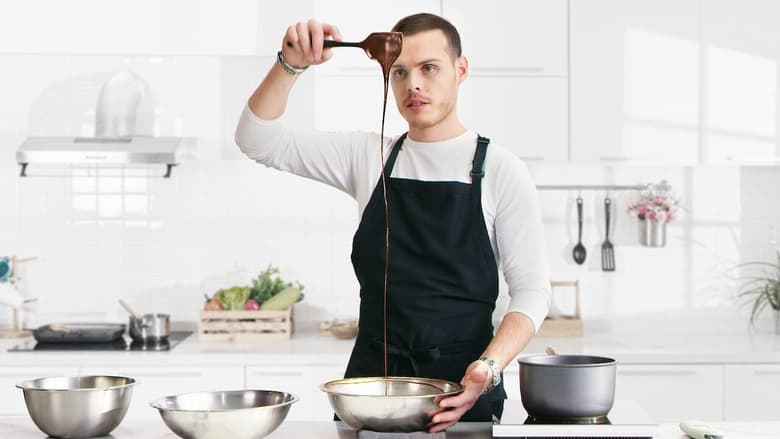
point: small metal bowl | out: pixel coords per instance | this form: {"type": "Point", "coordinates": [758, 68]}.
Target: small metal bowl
{"type": "Point", "coordinates": [388, 404]}
{"type": "Point", "coordinates": [77, 407]}
{"type": "Point", "coordinates": [236, 414]}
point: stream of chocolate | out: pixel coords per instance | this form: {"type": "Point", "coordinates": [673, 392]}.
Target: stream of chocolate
{"type": "Point", "coordinates": [385, 51]}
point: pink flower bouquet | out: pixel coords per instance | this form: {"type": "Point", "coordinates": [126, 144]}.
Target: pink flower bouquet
{"type": "Point", "coordinates": [660, 207]}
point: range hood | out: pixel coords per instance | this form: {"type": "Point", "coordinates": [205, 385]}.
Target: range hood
{"type": "Point", "coordinates": [114, 142]}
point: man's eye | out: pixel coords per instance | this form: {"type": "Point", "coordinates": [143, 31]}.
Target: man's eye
{"type": "Point", "coordinates": [428, 68]}
{"type": "Point", "coordinates": [399, 73]}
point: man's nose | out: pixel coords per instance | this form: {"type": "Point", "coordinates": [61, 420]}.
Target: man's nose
{"type": "Point", "coordinates": [415, 83]}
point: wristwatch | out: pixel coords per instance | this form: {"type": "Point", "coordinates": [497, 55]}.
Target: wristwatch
{"type": "Point", "coordinates": [496, 373]}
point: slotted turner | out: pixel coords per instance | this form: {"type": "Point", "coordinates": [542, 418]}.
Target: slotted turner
{"type": "Point", "coordinates": [607, 250]}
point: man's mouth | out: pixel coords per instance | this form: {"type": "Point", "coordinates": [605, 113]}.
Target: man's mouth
{"type": "Point", "coordinates": [415, 104]}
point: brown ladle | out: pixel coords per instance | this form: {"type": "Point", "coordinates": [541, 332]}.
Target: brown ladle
{"type": "Point", "coordinates": [383, 47]}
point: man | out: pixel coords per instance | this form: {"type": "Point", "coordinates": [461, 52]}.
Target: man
{"type": "Point", "coordinates": [456, 208]}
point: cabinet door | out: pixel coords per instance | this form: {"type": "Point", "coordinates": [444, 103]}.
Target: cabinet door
{"type": "Point", "coordinates": [356, 20]}
{"type": "Point", "coordinates": [149, 27]}
{"type": "Point", "coordinates": [12, 401]}
{"type": "Point", "coordinates": [523, 37]}
{"type": "Point", "coordinates": [750, 393]}
{"type": "Point", "coordinates": [303, 381]}
{"type": "Point", "coordinates": [634, 81]}
{"type": "Point", "coordinates": [740, 54]}
{"type": "Point", "coordinates": [526, 115]}
{"type": "Point", "coordinates": [154, 382]}
{"type": "Point", "coordinates": [671, 393]}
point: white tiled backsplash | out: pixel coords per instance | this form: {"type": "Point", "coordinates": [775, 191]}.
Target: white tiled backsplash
{"type": "Point", "coordinates": [104, 234]}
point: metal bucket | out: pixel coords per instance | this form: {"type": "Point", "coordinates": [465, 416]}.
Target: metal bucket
{"type": "Point", "coordinates": [652, 233]}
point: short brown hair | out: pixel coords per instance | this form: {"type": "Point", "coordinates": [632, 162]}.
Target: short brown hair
{"type": "Point", "coordinates": [414, 24]}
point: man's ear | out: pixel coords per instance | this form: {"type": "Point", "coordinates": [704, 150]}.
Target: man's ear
{"type": "Point", "coordinates": [462, 68]}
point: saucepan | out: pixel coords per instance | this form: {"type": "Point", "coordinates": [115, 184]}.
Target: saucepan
{"type": "Point", "coordinates": [148, 328]}
{"type": "Point", "coordinates": [556, 386]}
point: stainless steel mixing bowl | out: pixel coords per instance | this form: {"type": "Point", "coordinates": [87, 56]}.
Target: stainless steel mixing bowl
{"type": "Point", "coordinates": [237, 414]}
{"type": "Point", "coordinates": [77, 407]}
{"type": "Point", "coordinates": [388, 404]}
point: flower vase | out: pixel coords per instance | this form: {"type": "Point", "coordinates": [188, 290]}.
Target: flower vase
{"type": "Point", "coordinates": [777, 320]}
{"type": "Point", "coordinates": [652, 233]}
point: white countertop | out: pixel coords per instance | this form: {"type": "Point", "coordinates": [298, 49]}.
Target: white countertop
{"type": "Point", "coordinates": [22, 427]}
{"type": "Point", "coordinates": [642, 345]}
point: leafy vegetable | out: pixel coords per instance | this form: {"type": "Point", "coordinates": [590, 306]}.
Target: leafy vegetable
{"type": "Point", "coordinates": [233, 298]}
{"type": "Point", "coordinates": [268, 283]}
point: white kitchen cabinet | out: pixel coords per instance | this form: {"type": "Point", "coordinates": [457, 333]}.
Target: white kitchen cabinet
{"type": "Point", "coordinates": [511, 381]}
{"type": "Point", "coordinates": [740, 56]}
{"type": "Point", "coordinates": [356, 20]}
{"type": "Point", "coordinates": [751, 392]}
{"type": "Point", "coordinates": [148, 27]}
{"type": "Point", "coordinates": [526, 115]}
{"type": "Point", "coordinates": [512, 37]}
{"type": "Point", "coordinates": [303, 381]}
{"type": "Point", "coordinates": [154, 382]}
{"type": "Point", "coordinates": [12, 400]}
{"type": "Point", "coordinates": [634, 72]}
{"type": "Point", "coordinates": [671, 393]}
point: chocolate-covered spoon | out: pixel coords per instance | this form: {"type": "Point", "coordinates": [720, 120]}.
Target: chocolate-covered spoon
{"type": "Point", "coordinates": [384, 47]}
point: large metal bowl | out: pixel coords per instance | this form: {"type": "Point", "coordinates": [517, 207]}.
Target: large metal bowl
{"type": "Point", "coordinates": [388, 404]}
{"type": "Point", "coordinates": [77, 407]}
{"type": "Point", "coordinates": [237, 414]}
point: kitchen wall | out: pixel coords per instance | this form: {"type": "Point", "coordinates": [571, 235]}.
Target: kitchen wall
{"type": "Point", "coordinates": [101, 234]}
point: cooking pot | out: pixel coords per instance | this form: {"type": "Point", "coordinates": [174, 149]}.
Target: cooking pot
{"type": "Point", "coordinates": [150, 328]}
{"type": "Point", "coordinates": [567, 386]}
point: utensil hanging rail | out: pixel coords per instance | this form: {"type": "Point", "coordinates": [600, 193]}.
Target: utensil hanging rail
{"type": "Point", "coordinates": [662, 186]}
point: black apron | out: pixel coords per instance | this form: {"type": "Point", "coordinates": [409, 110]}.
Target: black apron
{"type": "Point", "coordinates": [442, 283]}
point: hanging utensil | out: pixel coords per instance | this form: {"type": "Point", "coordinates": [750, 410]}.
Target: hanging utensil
{"type": "Point", "coordinates": [607, 250]}
{"type": "Point", "coordinates": [579, 252]}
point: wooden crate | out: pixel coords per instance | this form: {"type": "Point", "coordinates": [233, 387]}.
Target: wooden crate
{"type": "Point", "coordinates": [245, 326]}
{"type": "Point", "coordinates": [563, 325]}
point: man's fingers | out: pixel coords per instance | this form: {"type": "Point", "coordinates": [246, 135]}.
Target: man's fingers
{"type": "Point", "coordinates": [331, 31]}
{"type": "Point", "coordinates": [304, 40]}
{"type": "Point", "coordinates": [317, 37]}
{"type": "Point", "coordinates": [291, 37]}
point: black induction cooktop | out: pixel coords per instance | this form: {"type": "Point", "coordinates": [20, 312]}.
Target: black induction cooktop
{"type": "Point", "coordinates": [123, 344]}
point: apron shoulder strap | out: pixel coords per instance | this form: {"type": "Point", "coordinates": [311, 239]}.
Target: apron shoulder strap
{"type": "Point", "coordinates": [394, 153]}
{"type": "Point", "coordinates": [478, 164]}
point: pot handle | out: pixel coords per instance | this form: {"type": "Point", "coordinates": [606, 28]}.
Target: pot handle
{"type": "Point", "coordinates": [549, 350]}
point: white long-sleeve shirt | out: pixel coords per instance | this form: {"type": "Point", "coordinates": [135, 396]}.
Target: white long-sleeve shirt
{"type": "Point", "coordinates": [350, 161]}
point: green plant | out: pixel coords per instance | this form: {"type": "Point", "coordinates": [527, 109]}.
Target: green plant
{"type": "Point", "coordinates": [763, 287]}
{"type": "Point", "coordinates": [268, 283]}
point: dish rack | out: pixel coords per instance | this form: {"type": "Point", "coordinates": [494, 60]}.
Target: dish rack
{"type": "Point", "coordinates": [13, 279]}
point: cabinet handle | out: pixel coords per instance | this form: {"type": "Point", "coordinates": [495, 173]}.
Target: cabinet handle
{"type": "Point", "coordinates": [616, 159]}
{"type": "Point", "coordinates": [286, 373]}
{"type": "Point", "coordinates": [767, 372]}
{"type": "Point", "coordinates": [165, 375]}
{"type": "Point", "coordinates": [754, 159]}
{"type": "Point", "coordinates": [679, 373]}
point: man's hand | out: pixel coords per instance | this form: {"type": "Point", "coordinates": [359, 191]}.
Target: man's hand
{"type": "Point", "coordinates": [303, 43]}
{"type": "Point", "coordinates": [475, 381]}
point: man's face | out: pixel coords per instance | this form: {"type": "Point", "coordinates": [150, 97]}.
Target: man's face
{"type": "Point", "coordinates": [425, 80]}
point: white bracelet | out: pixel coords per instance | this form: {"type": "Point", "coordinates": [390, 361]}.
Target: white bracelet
{"type": "Point", "coordinates": [288, 68]}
